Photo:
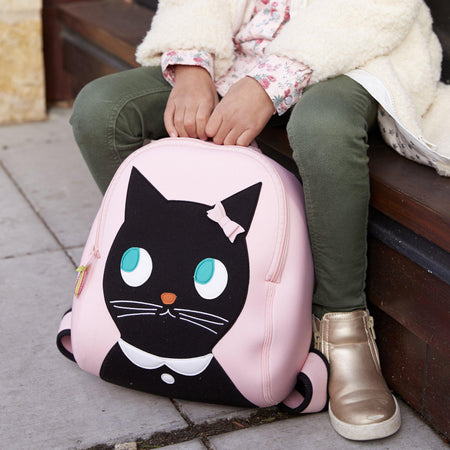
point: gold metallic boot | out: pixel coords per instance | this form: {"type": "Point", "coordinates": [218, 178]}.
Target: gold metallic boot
{"type": "Point", "coordinates": [361, 406]}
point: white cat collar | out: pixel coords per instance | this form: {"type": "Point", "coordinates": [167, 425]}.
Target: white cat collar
{"type": "Point", "coordinates": [182, 366]}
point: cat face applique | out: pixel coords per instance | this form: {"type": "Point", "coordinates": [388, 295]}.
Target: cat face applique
{"type": "Point", "coordinates": [177, 275]}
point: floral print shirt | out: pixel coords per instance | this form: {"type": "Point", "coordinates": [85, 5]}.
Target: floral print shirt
{"type": "Point", "coordinates": [282, 78]}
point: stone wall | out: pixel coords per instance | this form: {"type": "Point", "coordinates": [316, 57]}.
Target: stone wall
{"type": "Point", "coordinates": [22, 92]}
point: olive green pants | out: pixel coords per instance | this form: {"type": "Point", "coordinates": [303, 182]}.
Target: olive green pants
{"type": "Point", "coordinates": [327, 131]}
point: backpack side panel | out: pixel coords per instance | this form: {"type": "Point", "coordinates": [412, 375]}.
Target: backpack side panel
{"type": "Point", "coordinates": [282, 310]}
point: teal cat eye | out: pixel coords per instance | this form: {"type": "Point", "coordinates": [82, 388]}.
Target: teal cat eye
{"type": "Point", "coordinates": [210, 278]}
{"type": "Point", "coordinates": [130, 259]}
{"type": "Point", "coordinates": [204, 271]}
{"type": "Point", "coordinates": [136, 266]}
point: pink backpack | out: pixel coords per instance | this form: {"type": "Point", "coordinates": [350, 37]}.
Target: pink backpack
{"type": "Point", "coordinates": [196, 281]}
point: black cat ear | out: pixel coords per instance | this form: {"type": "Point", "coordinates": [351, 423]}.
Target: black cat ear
{"type": "Point", "coordinates": [240, 207]}
{"type": "Point", "coordinates": [141, 194]}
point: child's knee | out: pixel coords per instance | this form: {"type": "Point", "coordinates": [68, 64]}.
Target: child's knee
{"type": "Point", "coordinates": [91, 109]}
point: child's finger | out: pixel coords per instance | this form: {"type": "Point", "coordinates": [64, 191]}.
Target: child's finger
{"type": "Point", "coordinates": [246, 138]}
{"type": "Point", "coordinates": [232, 136]}
{"type": "Point", "coordinates": [189, 122]}
{"type": "Point", "coordinates": [178, 120]}
{"type": "Point", "coordinates": [168, 120]}
{"type": "Point", "coordinates": [221, 133]}
{"type": "Point", "coordinates": [203, 114]}
{"type": "Point", "coordinates": [213, 124]}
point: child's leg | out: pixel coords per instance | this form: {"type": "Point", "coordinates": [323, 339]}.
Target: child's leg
{"type": "Point", "coordinates": [328, 134]}
{"type": "Point", "coordinates": [114, 114]}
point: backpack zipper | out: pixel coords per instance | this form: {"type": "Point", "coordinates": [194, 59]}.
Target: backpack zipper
{"type": "Point", "coordinates": [280, 253]}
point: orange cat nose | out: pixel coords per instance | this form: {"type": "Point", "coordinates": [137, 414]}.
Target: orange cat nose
{"type": "Point", "coordinates": [168, 298]}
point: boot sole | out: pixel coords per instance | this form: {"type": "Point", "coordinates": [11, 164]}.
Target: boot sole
{"type": "Point", "coordinates": [367, 432]}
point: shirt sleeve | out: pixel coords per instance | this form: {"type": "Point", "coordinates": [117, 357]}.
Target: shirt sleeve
{"type": "Point", "coordinates": [283, 79]}
{"type": "Point", "coordinates": [186, 58]}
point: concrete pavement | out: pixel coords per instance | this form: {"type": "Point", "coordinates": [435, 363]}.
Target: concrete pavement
{"type": "Point", "coordinates": [47, 203]}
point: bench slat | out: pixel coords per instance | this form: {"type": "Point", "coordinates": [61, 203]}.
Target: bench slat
{"type": "Point", "coordinates": [114, 25]}
{"type": "Point", "coordinates": [410, 193]}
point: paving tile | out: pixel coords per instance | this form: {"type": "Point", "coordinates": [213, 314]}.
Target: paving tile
{"type": "Point", "coordinates": [196, 444]}
{"type": "Point", "coordinates": [47, 401]}
{"type": "Point", "coordinates": [126, 446]}
{"type": "Point", "coordinates": [22, 232]}
{"type": "Point", "coordinates": [75, 253]}
{"type": "Point", "coordinates": [55, 127]}
{"type": "Point", "coordinates": [315, 432]}
{"type": "Point", "coordinates": [205, 412]}
{"type": "Point", "coordinates": [54, 177]}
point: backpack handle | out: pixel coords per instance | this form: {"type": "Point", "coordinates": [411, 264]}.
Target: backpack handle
{"type": "Point", "coordinates": [63, 339]}
{"type": "Point", "coordinates": [310, 393]}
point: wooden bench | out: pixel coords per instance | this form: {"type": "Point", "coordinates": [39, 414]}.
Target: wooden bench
{"type": "Point", "coordinates": [409, 232]}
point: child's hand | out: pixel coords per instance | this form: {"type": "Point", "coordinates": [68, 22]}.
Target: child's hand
{"type": "Point", "coordinates": [241, 114]}
{"type": "Point", "coordinates": [191, 102]}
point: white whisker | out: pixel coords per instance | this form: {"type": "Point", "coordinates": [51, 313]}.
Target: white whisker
{"type": "Point", "coordinates": [201, 320]}
{"type": "Point", "coordinates": [136, 309]}
{"type": "Point", "coordinates": [136, 314]}
{"type": "Point", "coordinates": [167, 312]}
{"type": "Point", "coordinates": [199, 325]}
{"type": "Point", "coordinates": [138, 303]}
{"type": "Point", "coordinates": [200, 312]}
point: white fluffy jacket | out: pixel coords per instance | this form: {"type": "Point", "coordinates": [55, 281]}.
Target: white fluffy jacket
{"type": "Point", "coordinates": [391, 40]}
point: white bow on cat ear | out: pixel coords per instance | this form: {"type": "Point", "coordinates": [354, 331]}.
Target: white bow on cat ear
{"type": "Point", "coordinates": [230, 228]}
